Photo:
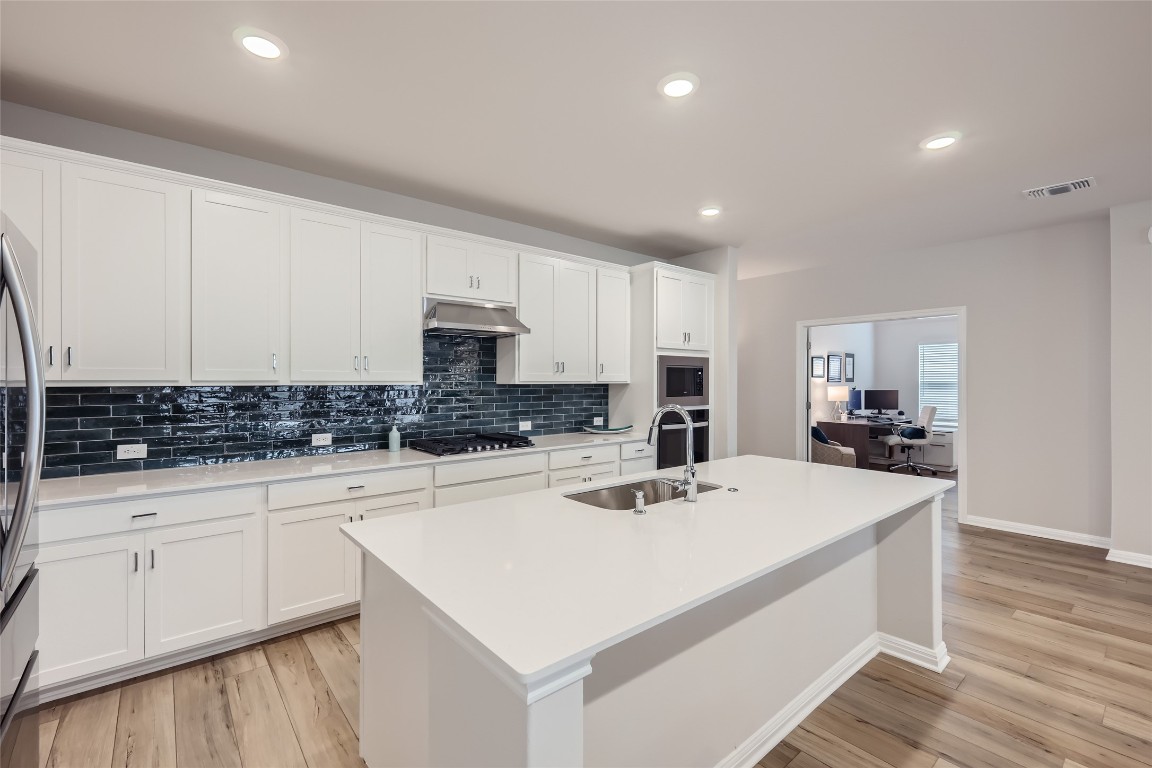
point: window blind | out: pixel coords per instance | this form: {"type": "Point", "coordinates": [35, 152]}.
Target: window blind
{"type": "Point", "coordinates": [940, 382]}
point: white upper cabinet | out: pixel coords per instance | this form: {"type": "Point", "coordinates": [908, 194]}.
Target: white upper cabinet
{"type": "Point", "coordinates": [558, 304]}
{"type": "Point", "coordinates": [472, 271]}
{"type": "Point", "coordinates": [239, 247]}
{"type": "Point", "coordinates": [683, 310]}
{"type": "Point", "coordinates": [576, 321]}
{"type": "Point", "coordinates": [30, 205]}
{"type": "Point", "coordinates": [325, 259]}
{"type": "Point", "coordinates": [124, 276]}
{"type": "Point", "coordinates": [613, 325]}
{"type": "Point", "coordinates": [392, 330]}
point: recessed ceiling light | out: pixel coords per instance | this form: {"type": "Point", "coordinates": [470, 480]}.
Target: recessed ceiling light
{"type": "Point", "coordinates": [260, 43]}
{"type": "Point", "coordinates": [679, 84]}
{"type": "Point", "coordinates": [710, 210]}
{"type": "Point", "coordinates": [940, 140]}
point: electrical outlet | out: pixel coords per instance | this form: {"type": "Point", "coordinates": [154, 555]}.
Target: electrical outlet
{"type": "Point", "coordinates": [324, 438]}
{"type": "Point", "coordinates": [597, 421]}
{"type": "Point", "coordinates": [525, 426]}
{"type": "Point", "coordinates": [134, 451]}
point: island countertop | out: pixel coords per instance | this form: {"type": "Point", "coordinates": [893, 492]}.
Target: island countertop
{"type": "Point", "coordinates": [542, 581]}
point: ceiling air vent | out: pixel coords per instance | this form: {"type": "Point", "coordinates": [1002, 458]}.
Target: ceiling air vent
{"type": "Point", "coordinates": [1052, 190]}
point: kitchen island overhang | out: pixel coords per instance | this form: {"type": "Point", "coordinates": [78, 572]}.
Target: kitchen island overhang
{"type": "Point", "coordinates": [715, 626]}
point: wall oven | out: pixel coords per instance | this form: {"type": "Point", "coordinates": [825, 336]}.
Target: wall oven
{"type": "Point", "coordinates": [682, 381]}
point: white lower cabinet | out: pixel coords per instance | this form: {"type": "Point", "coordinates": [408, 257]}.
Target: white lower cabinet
{"type": "Point", "coordinates": [91, 607]}
{"type": "Point", "coordinates": [310, 567]}
{"type": "Point", "coordinates": [370, 509]}
{"type": "Point", "coordinates": [202, 583]}
{"type": "Point", "coordinates": [636, 466]}
{"type": "Point", "coordinates": [579, 475]}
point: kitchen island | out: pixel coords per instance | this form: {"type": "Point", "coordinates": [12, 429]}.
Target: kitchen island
{"type": "Point", "coordinates": [534, 630]}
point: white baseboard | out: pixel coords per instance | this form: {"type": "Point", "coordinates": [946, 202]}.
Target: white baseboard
{"type": "Point", "coordinates": [748, 754]}
{"type": "Point", "coordinates": [1130, 558]}
{"type": "Point", "coordinates": [1100, 542]}
{"type": "Point", "coordinates": [935, 659]}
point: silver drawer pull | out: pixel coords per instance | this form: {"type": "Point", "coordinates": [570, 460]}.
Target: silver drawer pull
{"type": "Point", "coordinates": [153, 558]}
{"type": "Point", "coordinates": [135, 562]}
{"type": "Point", "coordinates": [585, 458]}
{"type": "Point", "coordinates": [51, 355]}
{"type": "Point", "coordinates": [641, 450]}
{"type": "Point", "coordinates": [275, 361]}
{"type": "Point", "coordinates": [69, 355]}
{"type": "Point", "coordinates": [355, 487]}
{"type": "Point", "coordinates": [143, 514]}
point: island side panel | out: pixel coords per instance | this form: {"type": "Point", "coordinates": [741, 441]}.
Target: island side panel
{"type": "Point", "coordinates": [910, 594]}
{"type": "Point", "coordinates": [736, 674]}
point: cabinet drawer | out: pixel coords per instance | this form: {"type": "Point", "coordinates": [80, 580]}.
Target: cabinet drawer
{"type": "Point", "coordinates": [641, 450]}
{"type": "Point", "coordinates": [459, 494]}
{"type": "Point", "coordinates": [138, 514]}
{"type": "Point", "coordinates": [578, 475]}
{"type": "Point", "coordinates": [488, 469]}
{"type": "Point", "coordinates": [579, 457]}
{"type": "Point", "coordinates": [303, 492]}
{"type": "Point", "coordinates": [635, 466]}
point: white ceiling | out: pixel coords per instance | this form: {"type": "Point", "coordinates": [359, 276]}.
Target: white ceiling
{"type": "Point", "coordinates": [804, 129]}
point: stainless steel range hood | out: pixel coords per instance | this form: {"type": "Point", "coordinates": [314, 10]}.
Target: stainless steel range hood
{"type": "Point", "coordinates": [448, 317]}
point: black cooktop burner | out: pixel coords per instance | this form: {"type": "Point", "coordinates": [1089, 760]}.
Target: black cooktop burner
{"type": "Point", "coordinates": [474, 443]}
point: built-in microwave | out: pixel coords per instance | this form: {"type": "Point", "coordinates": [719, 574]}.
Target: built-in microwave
{"type": "Point", "coordinates": [682, 381]}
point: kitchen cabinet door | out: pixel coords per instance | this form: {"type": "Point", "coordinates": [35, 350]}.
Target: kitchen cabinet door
{"type": "Point", "coordinates": [91, 607]}
{"type": "Point", "coordinates": [325, 267]}
{"type": "Point", "coordinates": [384, 506]}
{"type": "Point", "coordinates": [576, 321]}
{"type": "Point", "coordinates": [447, 267]}
{"type": "Point", "coordinates": [537, 350]}
{"type": "Point", "coordinates": [670, 331]}
{"type": "Point", "coordinates": [239, 246]}
{"type": "Point", "coordinates": [202, 583]}
{"type": "Point", "coordinates": [30, 203]}
{"type": "Point", "coordinates": [124, 276]}
{"type": "Point", "coordinates": [697, 309]}
{"type": "Point", "coordinates": [391, 332]}
{"type": "Point", "coordinates": [310, 567]}
{"type": "Point", "coordinates": [613, 326]}
{"type": "Point", "coordinates": [495, 272]}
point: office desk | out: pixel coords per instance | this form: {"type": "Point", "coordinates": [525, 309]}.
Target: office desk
{"type": "Point", "coordinates": [854, 434]}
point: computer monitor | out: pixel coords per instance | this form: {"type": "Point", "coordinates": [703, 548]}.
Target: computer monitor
{"type": "Point", "coordinates": [881, 399]}
{"type": "Point", "coordinates": [854, 400]}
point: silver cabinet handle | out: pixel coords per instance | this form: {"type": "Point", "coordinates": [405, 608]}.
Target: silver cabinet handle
{"type": "Point", "coordinates": [361, 517]}
{"type": "Point", "coordinates": [69, 361]}
{"type": "Point", "coordinates": [143, 514]}
{"type": "Point", "coordinates": [555, 367]}
{"type": "Point", "coordinates": [355, 362]}
{"type": "Point", "coordinates": [601, 367]}
{"type": "Point", "coordinates": [153, 558]}
{"type": "Point", "coordinates": [471, 281]}
{"type": "Point", "coordinates": [689, 337]}
{"type": "Point", "coordinates": [355, 488]}
{"type": "Point", "coordinates": [477, 282]}
{"type": "Point", "coordinates": [275, 361]}
{"type": "Point", "coordinates": [135, 562]}
{"type": "Point", "coordinates": [365, 362]}
{"type": "Point", "coordinates": [51, 355]}
{"type": "Point", "coordinates": [350, 519]}
{"type": "Point", "coordinates": [561, 366]}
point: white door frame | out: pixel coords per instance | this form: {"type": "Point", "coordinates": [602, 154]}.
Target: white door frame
{"type": "Point", "coordinates": [802, 383]}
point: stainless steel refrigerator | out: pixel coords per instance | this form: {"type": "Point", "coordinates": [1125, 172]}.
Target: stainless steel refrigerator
{"type": "Point", "coordinates": [22, 402]}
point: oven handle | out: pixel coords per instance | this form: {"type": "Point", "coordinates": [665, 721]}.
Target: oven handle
{"type": "Point", "coordinates": [695, 424]}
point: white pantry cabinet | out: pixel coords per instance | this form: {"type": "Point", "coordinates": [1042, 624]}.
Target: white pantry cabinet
{"type": "Point", "coordinates": [310, 567]}
{"type": "Point", "coordinates": [30, 201]}
{"type": "Point", "coordinates": [392, 320]}
{"type": "Point", "coordinates": [558, 303]}
{"type": "Point", "coordinates": [124, 265]}
{"type": "Point", "coordinates": [325, 259]}
{"type": "Point", "coordinates": [239, 248]}
{"type": "Point", "coordinates": [683, 310]}
{"type": "Point", "coordinates": [469, 270]}
{"type": "Point", "coordinates": [613, 326]}
{"type": "Point", "coordinates": [202, 583]}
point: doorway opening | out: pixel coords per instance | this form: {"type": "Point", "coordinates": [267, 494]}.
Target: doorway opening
{"type": "Point", "coordinates": [863, 379]}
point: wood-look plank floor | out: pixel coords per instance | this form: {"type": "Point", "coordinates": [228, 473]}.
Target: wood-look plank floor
{"type": "Point", "coordinates": [1052, 668]}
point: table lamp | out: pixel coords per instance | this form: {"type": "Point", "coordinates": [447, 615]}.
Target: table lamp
{"type": "Point", "coordinates": [837, 395]}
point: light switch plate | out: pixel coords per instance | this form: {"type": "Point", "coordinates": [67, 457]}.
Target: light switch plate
{"type": "Point", "coordinates": [525, 426]}
{"type": "Point", "coordinates": [134, 451]}
{"type": "Point", "coordinates": [324, 438]}
{"type": "Point", "coordinates": [597, 421]}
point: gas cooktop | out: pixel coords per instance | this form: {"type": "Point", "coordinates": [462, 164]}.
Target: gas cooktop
{"type": "Point", "coordinates": [474, 443]}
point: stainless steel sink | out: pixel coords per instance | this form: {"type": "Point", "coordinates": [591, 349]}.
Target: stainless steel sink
{"type": "Point", "coordinates": [621, 496]}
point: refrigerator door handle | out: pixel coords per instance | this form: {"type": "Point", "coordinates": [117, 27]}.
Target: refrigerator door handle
{"type": "Point", "coordinates": [13, 282]}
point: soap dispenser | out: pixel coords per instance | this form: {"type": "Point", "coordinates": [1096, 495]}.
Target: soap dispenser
{"type": "Point", "coordinates": [394, 439]}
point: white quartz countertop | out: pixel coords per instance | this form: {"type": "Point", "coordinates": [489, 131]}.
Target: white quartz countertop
{"type": "Point", "coordinates": [543, 582]}
{"type": "Point", "coordinates": [124, 485]}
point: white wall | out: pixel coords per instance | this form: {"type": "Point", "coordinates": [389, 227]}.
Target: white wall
{"type": "Point", "coordinates": [1040, 295]}
{"type": "Point", "coordinates": [898, 354]}
{"type": "Point", "coordinates": [856, 338]}
{"type": "Point", "coordinates": [19, 121]}
{"type": "Point", "coordinates": [1132, 379]}
{"type": "Point", "coordinates": [722, 418]}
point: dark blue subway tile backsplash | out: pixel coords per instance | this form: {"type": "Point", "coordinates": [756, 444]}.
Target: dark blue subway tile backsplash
{"type": "Point", "coordinates": [198, 425]}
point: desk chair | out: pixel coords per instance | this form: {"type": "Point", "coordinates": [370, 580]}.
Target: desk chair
{"type": "Point", "coordinates": [906, 437]}
{"type": "Point", "coordinates": [825, 451]}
